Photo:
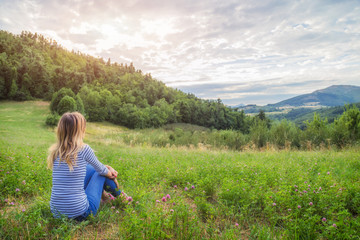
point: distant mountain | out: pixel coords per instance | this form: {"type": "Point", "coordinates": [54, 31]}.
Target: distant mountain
{"type": "Point", "coordinates": [336, 95]}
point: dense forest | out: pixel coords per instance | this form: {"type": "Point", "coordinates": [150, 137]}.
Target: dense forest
{"type": "Point", "coordinates": [32, 66]}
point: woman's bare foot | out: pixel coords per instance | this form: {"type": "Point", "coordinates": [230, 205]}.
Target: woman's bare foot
{"type": "Point", "coordinates": [105, 198]}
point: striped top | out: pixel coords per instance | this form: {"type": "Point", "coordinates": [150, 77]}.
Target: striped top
{"type": "Point", "coordinates": [68, 195]}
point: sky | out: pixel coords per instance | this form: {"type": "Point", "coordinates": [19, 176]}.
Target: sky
{"type": "Point", "coordinates": [243, 52]}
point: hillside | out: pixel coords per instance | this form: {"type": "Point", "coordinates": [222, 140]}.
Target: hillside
{"type": "Point", "coordinates": [336, 95]}
{"type": "Point", "coordinates": [34, 67]}
{"type": "Point", "coordinates": [301, 115]}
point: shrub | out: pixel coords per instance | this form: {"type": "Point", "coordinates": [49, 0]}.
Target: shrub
{"type": "Point", "coordinates": [58, 96]}
{"type": "Point", "coordinates": [52, 119]}
{"type": "Point", "coordinates": [67, 104]}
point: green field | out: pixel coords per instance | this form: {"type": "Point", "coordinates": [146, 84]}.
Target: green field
{"type": "Point", "coordinates": [215, 194]}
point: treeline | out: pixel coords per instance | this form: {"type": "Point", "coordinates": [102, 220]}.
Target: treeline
{"type": "Point", "coordinates": [319, 134]}
{"type": "Point", "coordinates": [34, 67]}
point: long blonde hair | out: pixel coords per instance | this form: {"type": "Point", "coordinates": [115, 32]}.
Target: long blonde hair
{"type": "Point", "coordinates": [70, 134]}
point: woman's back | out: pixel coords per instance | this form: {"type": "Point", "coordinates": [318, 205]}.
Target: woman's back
{"type": "Point", "coordinates": [68, 195]}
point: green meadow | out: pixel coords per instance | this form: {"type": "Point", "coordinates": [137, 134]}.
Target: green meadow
{"type": "Point", "coordinates": [213, 193]}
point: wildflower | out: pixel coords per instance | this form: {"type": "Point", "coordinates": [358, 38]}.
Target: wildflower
{"type": "Point", "coordinates": [113, 207]}
{"type": "Point", "coordinates": [157, 201]}
{"type": "Point", "coordinates": [320, 188]}
{"type": "Point", "coordinates": [328, 173]}
{"type": "Point", "coordinates": [12, 203]}
{"type": "Point", "coordinates": [334, 225]}
{"type": "Point", "coordinates": [308, 185]}
{"type": "Point", "coordinates": [315, 163]}
{"type": "Point", "coordinates": [137, 202]}
{"type": "Point", "coordinates": [227, 189]}
{"type": "Point", "coordinates": [186, 189]}
{"type": "Point", "coordinates": [23, 182]}
{"type": "Point", "coordinates": [193, 187]}
{"type": "Point", "coordinates": [299, 206]}
{"type": "Point", "coordinates": [23, 210]}
{"type": "Point", "coordinates": [305, 191]}
{"type": "Point", "coordinates": [168, 196]}
{"type": "Point", "coordinates": [296, 190]}
{"type": "Point", "coordinates": [129, 199]}
{"type": "Point", "coordinates": [163, 199]}
{"type": "Point", "coordinates": [295, 186]}
{"type": "Point", "coordinates": [117, 211]}
{"type": "Point", "coordinates": [6, 200]}
{"type": "Point", "coordinates": [305, 182]}
{"type": "Point", "coordinates": [310, 203]}
{"type": "Point", "coordinates": [17, 190]}
{"type": "Point", "coordinates": [318, 173]}
{"type": "Point", "coordinates": [173, 203]}
{"type": "Point", "coordinates": [175, 186]}
{"type": "Point", "coordinates": [236, 224]}
{"type": "Point", "coordinates": [289, 209]}
{"type": "Point", "coordinates": [274, 204]}
{"type": "Point", "coordinates": [314, 191]}
{"type": "Point", "coordinates": [324, 219]}
{"type": "Point", "coordinates": [171, 210]}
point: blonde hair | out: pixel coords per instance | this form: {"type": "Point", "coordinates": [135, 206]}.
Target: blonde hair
{"type": "Point", "coordinates": [70, 134]}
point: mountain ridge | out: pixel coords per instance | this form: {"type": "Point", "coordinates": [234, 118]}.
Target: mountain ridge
{"type": "Point", "coordinates": [335, 95]}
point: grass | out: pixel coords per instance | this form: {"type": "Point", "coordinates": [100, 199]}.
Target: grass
{"type": "Point", "coordinates": [215, 194]}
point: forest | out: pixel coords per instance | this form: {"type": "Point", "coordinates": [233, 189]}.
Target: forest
{"type": "Point", "coordinates": [34, 67]}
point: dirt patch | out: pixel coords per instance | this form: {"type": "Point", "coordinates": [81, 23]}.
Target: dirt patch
{"type": "Point", "coordinates": [42, 103]}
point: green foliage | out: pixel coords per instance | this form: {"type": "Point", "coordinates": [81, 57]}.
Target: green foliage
{"type": "Point", "coordinates": [79, 104]}
{"type": "Point", "coordinates": [317, 131]}
{"type": "Point", "coordinates": [52, 119]}
{"type": "Point", "coordinates": [58, 96]}
{"type": "Point", "coordinates": [259, 133]}
{"type": "Point", "coordinates": [283, 133]}
{"type": "Point", "coordinates": [66, 104]}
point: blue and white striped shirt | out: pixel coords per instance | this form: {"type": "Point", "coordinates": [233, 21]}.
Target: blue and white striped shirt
{"type": "Point", "coordinates": [68, 195]}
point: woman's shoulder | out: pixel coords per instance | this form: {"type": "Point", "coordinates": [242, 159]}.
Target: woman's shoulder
{"type": "Point", "coordinates": [85, 148]}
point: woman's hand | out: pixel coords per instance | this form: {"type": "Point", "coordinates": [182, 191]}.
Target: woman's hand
{"type": "Point", "coordinates": [112, 173]}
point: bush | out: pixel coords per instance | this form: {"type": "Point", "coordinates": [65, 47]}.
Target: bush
{"type": "Point", "coordinates": [52, 119]}
{"type": "Point", "coordinates": [67, 104]}
{"type": "Point", "coordinates": [20, 96]}
{"type": "Point", "coordinates": [58, 96]}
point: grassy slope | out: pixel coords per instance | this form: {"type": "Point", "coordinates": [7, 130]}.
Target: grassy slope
{"type": "Point", "coordinates": [230, 187]}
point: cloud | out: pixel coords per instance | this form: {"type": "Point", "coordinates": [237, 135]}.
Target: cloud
{"type": "Point", "coordinates": [212, 48]}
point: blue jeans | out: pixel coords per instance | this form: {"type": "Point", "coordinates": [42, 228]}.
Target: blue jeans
{"type": "Point", "coordinates": [94, 185]}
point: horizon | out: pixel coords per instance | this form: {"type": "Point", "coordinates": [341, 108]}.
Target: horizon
{"type": "Point", "coordinates": [243, 53]}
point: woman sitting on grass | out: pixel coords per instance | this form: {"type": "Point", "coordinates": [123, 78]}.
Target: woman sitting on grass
{"type": "Point", "coordinates": [79, 179]}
